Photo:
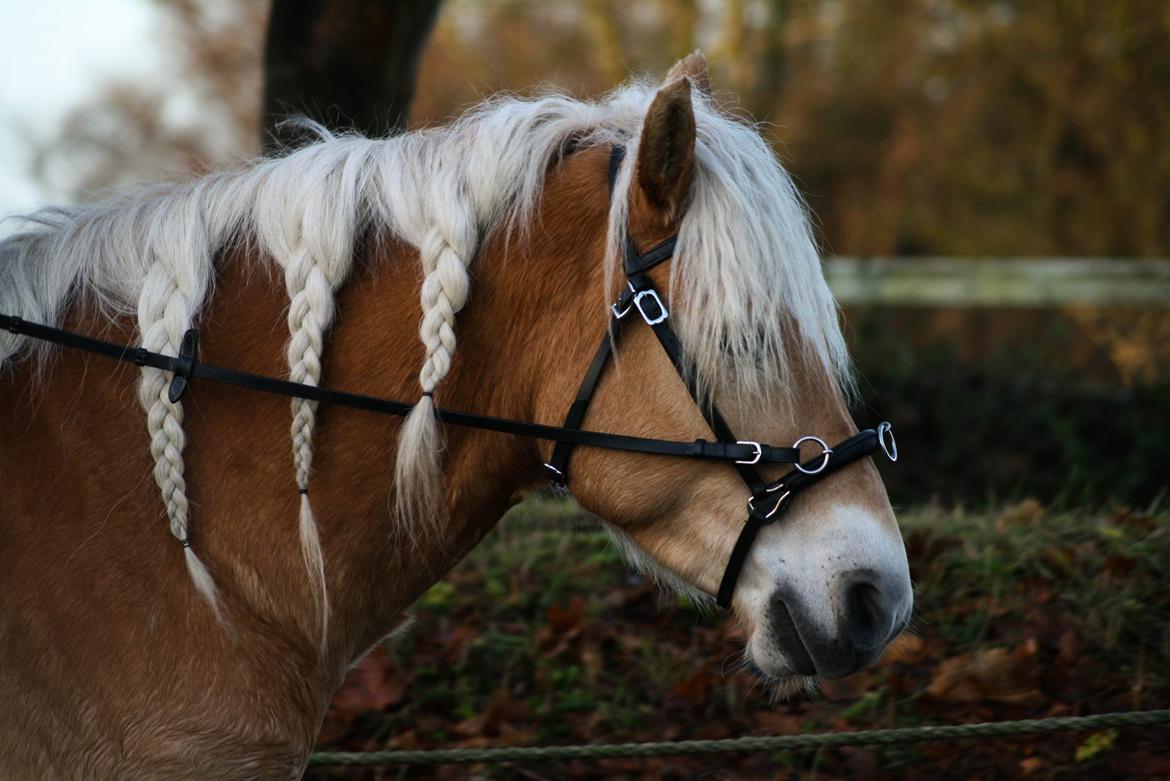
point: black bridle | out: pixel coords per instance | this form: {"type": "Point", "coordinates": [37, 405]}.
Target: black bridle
{"type": "Point", "coordinates": [768, 503]}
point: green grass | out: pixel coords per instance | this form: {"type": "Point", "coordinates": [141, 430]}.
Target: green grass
{"type": "Point", "coordinates": [987, 578]}
{"type": "Point", "coordinates": [543, 635]}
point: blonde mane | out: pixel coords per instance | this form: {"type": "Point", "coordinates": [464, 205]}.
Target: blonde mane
{"type": "Point", "coordinates": [746, 274]}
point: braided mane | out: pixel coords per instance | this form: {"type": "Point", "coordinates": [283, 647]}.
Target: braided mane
{"type": "Point", "coordinates": [747, 271]}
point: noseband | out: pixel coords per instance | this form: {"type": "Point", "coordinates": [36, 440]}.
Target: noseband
{"type": "Point", "coordinates": [767, 504]}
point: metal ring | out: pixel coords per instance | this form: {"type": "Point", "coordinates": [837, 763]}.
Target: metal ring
{"type": "Point", "coordinates": [826, 451]}
{"type": "Point", "coordinates": [890, 450]}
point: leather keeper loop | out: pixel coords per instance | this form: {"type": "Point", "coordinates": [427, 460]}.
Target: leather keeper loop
{"type": "Point", "coordinates": [184, 366]}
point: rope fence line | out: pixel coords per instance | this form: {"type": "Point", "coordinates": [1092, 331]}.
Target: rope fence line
{"type": "Point", "coordinates": [877, 737]}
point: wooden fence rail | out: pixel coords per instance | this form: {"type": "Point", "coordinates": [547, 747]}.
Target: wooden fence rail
{"type": "Point", "coordinates": [937, 281]}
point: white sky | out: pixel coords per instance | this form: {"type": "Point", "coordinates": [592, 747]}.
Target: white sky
{"type": "Point", "coordinates": [52, 54]}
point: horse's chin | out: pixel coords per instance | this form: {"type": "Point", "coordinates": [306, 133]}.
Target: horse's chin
{"type": "Point", "coordinates": [780, 683]}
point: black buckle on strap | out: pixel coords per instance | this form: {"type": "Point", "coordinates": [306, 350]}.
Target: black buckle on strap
{"type": "Point", "coordinates": [184, 366]}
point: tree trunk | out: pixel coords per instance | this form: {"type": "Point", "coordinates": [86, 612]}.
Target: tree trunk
{"type": "Point", "coordinates": [348, 64]}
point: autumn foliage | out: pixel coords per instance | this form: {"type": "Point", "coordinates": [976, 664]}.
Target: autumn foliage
{"type": "Point", "coordinates": [543, 636]}
{"type": "Point", "coordinates": [945, 127]}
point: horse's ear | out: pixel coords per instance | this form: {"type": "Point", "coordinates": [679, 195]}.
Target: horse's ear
{"type": "Point", "coordinates": [666, 154]}
{"type": "Point", "coordinates": [694, 68]}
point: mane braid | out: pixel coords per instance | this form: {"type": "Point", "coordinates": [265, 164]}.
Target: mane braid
{"type": "Point", "coordinates": [746, 288]}
{"type": "Point", "coordinates": [166, 307]}
{"type": "Point", "coordinates": [313, 242]}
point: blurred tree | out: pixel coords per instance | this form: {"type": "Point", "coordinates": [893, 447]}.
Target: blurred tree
{"type": "Point", "coordinates": [973, 127]}
{"type": "Point", "coordinates": [201, 116]}
{"type": "Point", "coordinates": [912, 126]}
{"type": "Point", "coordinates": [941, 127]}
{"type": "Point", "coordinates": [344, 63]}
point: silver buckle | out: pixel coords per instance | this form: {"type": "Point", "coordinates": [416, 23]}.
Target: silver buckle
{"type": "Point", "coordinates": [826, 451]}
{"type": "Point", "coordinates": [890, 450]}
{"type": "Point", "coordinates": [618, 314]}
{"type": "Point", "coordinates": [759, 451]}
{"type": "Point", "coordinates": [661, 307]}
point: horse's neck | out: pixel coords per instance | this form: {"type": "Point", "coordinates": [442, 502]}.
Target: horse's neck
{"type": "Point", "coordinates": [523, 321]}
{"type": "Point", "coordinates": [375, 568]}
{"type": "Point", "coordinates": [119, 582]}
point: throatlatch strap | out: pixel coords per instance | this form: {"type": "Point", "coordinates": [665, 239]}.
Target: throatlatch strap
{"type": "Point", "coordinates": [558, 464]}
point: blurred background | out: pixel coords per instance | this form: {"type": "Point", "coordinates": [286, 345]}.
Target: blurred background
{"type": "Point", "coordinates": [919, 128]}
{"type": "Point", "coordinates": [991, 188]}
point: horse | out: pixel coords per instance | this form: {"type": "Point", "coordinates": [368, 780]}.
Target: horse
{"type": "Point", "coordinates": [180, 599]}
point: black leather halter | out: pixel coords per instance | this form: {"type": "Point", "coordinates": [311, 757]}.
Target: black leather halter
{"type": "Point", "coordinates": [768, 502]}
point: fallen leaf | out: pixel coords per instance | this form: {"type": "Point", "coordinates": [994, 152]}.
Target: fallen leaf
{"type": "Point", "coordinates": [1068, 647]}
{"type": "Point", "coordinates": [1118, 566]}
{"type": "Point", "coordinates": [1095, 744]}
{"type": "Point", "coordinates": [458, 640]}
{"type": "Point", "coordinates": [1124, 516]}
{"type": "Point", "coordinates": [1025, 513]}
{"type": "Point", "coordinates": [1030, 765]}
{"type": "Point", "coordinates": [906, 648]}
{"type": "Point", "coordinates": [1037, 590]}
{"type": "Point", "coordinates": [992, 674]}
{"type": "Point", "coordinates": [698, 687]}
{"type": "Point", "coordinates": [501, 710]}
{"type": "Point", "coordinates": [565, 619]}
{"type": "Point", "coordinates": [779, 723]}
{"type": "Point", "coordinates": [848, 689]}
{"type": "Point", "coordinates": [373, 685]}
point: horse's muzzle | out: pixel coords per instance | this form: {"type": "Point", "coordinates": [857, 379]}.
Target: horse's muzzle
{"type": "Point", "coordinates": [869, 613]}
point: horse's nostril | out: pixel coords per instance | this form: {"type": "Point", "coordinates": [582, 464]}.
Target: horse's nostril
{"type": "Point", "coordinates": [788, 637]}
{"type": "Point", "coordinates": [867, 617]}
{"type": "Point", "coordinates": [839, 635]}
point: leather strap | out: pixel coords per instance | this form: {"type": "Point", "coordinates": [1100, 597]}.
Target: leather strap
{"type": "Point", "coordinates": [558, 464]}
{"type": "Point", "coordinates": [660, 324]}
{"type": "Point", "coordinates": [711, 451]}
{"type": "Point", "coordinates": [634, 263]}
